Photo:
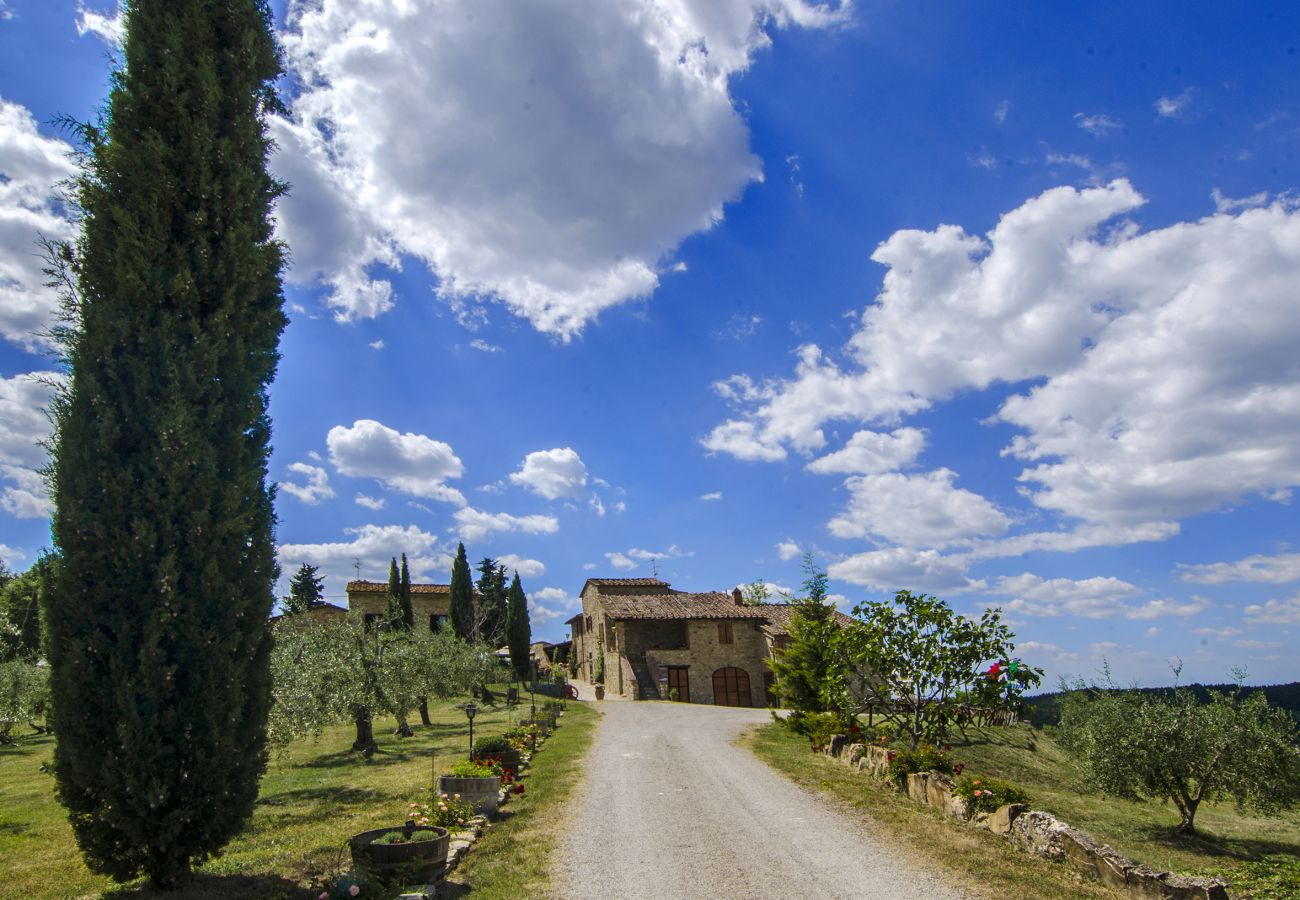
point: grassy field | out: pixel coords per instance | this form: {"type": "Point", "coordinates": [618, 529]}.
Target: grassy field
{"type": "Point", "coordinates": [1237, 845]}
{"type": "Point", "coordinates": [311, 801]}
{"type": "Point", "coordinates": [1227, 839]}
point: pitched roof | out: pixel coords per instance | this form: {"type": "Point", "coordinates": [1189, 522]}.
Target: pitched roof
{"type": "Point", "coordinates": [710, 605]}
{"type": "Point", "coordinates": [779, 615]}
{"type": "Point", "coordinates": [627, 582]}
{"type": "Point", "coordinates": [381, 587]}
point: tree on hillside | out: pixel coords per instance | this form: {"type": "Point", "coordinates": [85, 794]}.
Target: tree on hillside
{"type": "Point", "coordinates": [162, 509]}
{"type": "Point", "coordinates": [490, 612]}
{"type": "Point", "coordinates": [1173, 747]}
{"type": "Point", "coordinates": [306, 590]}
{"type": "Point", "coordinates": [519, 633]}
{"type": "Point", "coordinates": [462, 597]}
{"type": "Point", "coordinates": [921, 663]}
{"type": "Point", "coordinates": [808, 670]}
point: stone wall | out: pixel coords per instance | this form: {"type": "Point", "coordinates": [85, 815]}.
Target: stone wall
{"type": "Point", "coordinates": [704, 655]}
{"type": "Point", "coordinates": [1034, 832]}
{"type": "Point", "coordinates": [422, 605]}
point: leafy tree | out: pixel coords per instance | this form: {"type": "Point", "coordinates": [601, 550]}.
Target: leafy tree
{"type": "Point", "coordinates": [306, 590]}
{"type": "Point", "coordinates": [24, 696]}
{"type": "Point", "coordinates": [809, 669]}
{"type": "Point", "coordinates": [1172, 747]}
{"type": "Point", "coordinates": [755, 593]}
{"type": "Point", "coordinates": [921, 662]}
{"type": "Point", "coordinates": [158, 639]}
{"type": "Point", "coordinates": [462, 596]}
{"type": "Point", "coordinates": [519, 633]}
{"type": "Point", "coordinates": [491, 602]}
{"type": "Point", "coordinates": [20, 610]}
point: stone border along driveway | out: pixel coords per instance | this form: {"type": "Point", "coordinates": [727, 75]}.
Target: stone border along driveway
{"type": "Point", "coordinates": [672, 808]}
{"type": "Point", "coordinates": [1034, 832]}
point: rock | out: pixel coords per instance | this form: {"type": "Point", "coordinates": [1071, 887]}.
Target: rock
{"type": "Point", "coordinates": [460, 846]}
{"type": "Point", "coordinates": [1038, 833]}
{"type": "Point", "coordinates": [855, 752]}
{"type": "Point", "coordinates": [1114, 869]}
{"type": "Point", "coordinates": [957, 807]}
{"type": "Point", "coordinates": [938, 790]}
{"type": "Point", "coordinates": [916, 786]}
{"type": "Point", "coordinates": [424, 892]}
{"type": "Point", "coordinates": [1000, 821]}
{"type": "Point", "coordinates": [1081, 850]}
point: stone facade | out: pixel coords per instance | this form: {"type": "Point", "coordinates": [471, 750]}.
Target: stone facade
{"type": "Point", "coordinates": [431, 603]}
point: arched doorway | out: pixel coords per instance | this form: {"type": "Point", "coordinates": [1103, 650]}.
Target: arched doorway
{"type": "Point", "coordinates": [731, 687]}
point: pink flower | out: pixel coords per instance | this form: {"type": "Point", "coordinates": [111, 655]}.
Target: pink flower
{"type": "Point", "coordinates": [354, 890]}
{"type": "Point", "coordinates": [325, 895]}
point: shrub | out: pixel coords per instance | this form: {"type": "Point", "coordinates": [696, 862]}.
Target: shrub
{"type": "Point", "coordinates": [988, 794]}
{"type": "Point", "coordinates": [925, 758]}
{"type": "Point", "coordinates": [472, 769]}
{"type": "Point", "coordinates": [819, 727]}
{"type": "Point", "coordinates": [399, 837]}
{"type": "Point", "coordinates": [487, 746]}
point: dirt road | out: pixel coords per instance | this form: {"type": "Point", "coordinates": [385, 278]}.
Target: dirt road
{"type": "Point", "coordinates": [673, 809]}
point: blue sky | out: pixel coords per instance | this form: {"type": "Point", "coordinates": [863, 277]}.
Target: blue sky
{"type": "Point", "coordinates": [993, 302]}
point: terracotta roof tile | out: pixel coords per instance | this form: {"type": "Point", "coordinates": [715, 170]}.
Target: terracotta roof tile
{"type": "Point", "coordinates": [381, 587]}
{"type": "Point", "coordinates": [628, 582]}
{"type": "Point", "coordinates": [711, 605]}
{"type": "Point", "coordinates": [778, 617]}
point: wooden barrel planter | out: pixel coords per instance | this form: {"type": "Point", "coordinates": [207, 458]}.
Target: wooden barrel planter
{"type": "Point", "coordinates": [510, 759]}
{"type": "Point", "coordinates": [483, 792]}
{"type": "Point", "coordinates": [414, 861]}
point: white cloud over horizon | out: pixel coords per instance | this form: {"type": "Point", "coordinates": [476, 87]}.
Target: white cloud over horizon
{"type": "Point", "coordinates": [411, 463]}
{"type": "Point", "coordinates": [553, 474]}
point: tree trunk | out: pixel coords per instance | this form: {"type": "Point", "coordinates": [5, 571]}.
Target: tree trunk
{"type": "Point", "coordinates": [403, 728]}
{"type": "Point", "coordinates": [424, 711]}
{"type": "Point", "coordinates": [365, 742]}
{"type": "Point", "coordinates": [1187, 815]}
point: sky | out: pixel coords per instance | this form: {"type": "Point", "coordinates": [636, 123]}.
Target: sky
{"type": "Point", "coordinates": [999, 303]}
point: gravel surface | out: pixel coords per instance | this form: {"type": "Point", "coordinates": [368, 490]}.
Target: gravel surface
{"type": "Point", "coordinates": [672, 808]}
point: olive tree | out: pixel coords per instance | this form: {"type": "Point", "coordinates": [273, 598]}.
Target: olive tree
{"type": "Point", "coordinates": [917, 663]}
{"type": "Point", "coordinates": [24, 696]}
{"type": "Point", "coordinates": [1169, 746]}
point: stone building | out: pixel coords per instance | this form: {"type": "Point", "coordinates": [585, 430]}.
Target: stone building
{"type": "Point", "coordinates": [661, 643]}
{"type": "Point", "coordinates": [319, 612]}
{"type": "Point", "coordinates": [431, 603]}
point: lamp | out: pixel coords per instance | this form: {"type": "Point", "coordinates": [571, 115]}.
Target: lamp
{"type": "Point", "coordinates": [470, 711]}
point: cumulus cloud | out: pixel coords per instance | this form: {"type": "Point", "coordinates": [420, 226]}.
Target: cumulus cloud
{"type": "Point", "coordinates": [411, 463]}
{"type": "Point", "coordinates": [556, 597]}
{"type": "Point", "coordinates": [873, 452]}
{"type": "Point", "coordinates": [23, 426]}
{"type": "Point", "coordinates": [1278, 569]}
{"type": "Point", "coordinates": [1175, 107]}
{"type": "Point", "coordinates": [373, 546]}
{"type": "Point", "coordinates": [901, 568]}
{"type": "Point", "coordinates": [1167, 383]}
{"type": "Point", "coordinates": [27, 497]}
{"type": "Point", "coordinates": [375, 503]}
{"type": "Point", "coordinates": [527, 568]}
{"type": "Point", "coordinates": [1098, 124]}
{"type": "Point", "coordinates": [787, 550]}
{"type": "Point", "coordinates": [316, 488]}
{"type": "Point", "coordinates": [553, 474]}
{"type": "Point", "coordinates": [108, 28]}
{"type": "Point", "coordinates": [476, 524]}
{"type": "Point", "coordinates": [621, 561]}
{"type": "Point", "coordinates": [1274, 612]}
{"type": "Point", "coordinates": [1089, 598]}
{"type": "Point", "coordinates": [568, 147]}
{"type": "Point", "coordinates": [31, 168]}
{"type": "Point", "coordinates": [916, 510]}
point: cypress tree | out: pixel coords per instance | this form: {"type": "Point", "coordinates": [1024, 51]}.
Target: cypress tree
{"type": "Point", "coordinates": [519, 634]}
{"type": "Point", "coordinates": [404, 596]}
{"type": "Point", "coordinates": [158, 641]}
{"type": "Point", "coordinates": [462, 596]}
{"type": "Point", "coordinates": [393, 613]}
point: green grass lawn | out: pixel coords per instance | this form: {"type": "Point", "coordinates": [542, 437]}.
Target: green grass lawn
{"type": "Point", "coordinates": [1142, 831]}
{"type": "Point", "coordinates": [311, 801]}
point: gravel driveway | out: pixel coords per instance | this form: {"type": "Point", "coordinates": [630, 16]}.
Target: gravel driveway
{"type": "Point", "coordinates": [673, 809]}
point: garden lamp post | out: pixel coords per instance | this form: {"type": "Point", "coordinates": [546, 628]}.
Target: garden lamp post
{"type": "Point", "coordinates": [470, 711]}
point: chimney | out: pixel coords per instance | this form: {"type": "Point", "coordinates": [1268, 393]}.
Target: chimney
{"type": "Point", "coordinates": [737, 596]}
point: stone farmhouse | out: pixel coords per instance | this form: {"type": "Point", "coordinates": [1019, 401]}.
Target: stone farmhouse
{"type": "Point", "coordinates": [661, 643]}
{"type": "Point", "coordinates": [431, 603]}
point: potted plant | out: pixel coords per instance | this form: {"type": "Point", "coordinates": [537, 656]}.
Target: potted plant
{"type": "Point", "coordinates": [473, 782]}
{"type": "Point", "coordinates": [415, 851]}
{"type": "Point", "coordinates": [500, 749]}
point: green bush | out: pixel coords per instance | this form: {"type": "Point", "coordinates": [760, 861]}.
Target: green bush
{"type": "Point", "coordinates": [818, 727]}
{"type": "Point", "coordinates": [491, 745]}
{"type": "Point", "coordinates": [987, 794]}
{"type": "Point", "coordinates": [469, 769]}
{"type": "Point", "coordinates": [925, 758]}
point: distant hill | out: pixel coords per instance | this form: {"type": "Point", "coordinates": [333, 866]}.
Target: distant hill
{"type": "Point", "coordinates": [1045, 709]}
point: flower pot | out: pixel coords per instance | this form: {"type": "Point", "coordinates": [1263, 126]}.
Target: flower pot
{"type": "Point", "coordinates": [600, 692]}
{"type": "Point", "coordinates": [510, 759]}
{"type": "Point", "coordinates": [421, 861]}
{"type": "Point", "coordinates": [482, 792]}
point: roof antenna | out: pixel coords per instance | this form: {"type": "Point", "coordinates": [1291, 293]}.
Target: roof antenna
{"type": "Point", "coordinates": [654, 567]}
{"type": "Point", "coordinates": [356, 564]}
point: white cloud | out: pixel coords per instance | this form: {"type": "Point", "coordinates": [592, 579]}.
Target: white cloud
{"type": "Point", "coordinates": [567, 148]}
{"type": "Point", "coordinates": [1226, 204]}
{"type": "Point", "coordinates": [1278, 569]}
{"type": "Point", "coordinates": [375, 503]}
{"type": "Point", "coordinates": [873, 453]}
{"type": "Point", "coordinates": [1098, 124]}
{"type": "Point", "coordinates": [787, 550]}
{"type": "Point", "coordinates": [1000, 111]}
{"type": "Point", "coordinates": [23, 426]}
{"type": "Point", "coordinates": [484, 346]}
{"type": "Point", "coordinates": [555, 596]}
{"type": "Point", "coordinates": [377, 345]}
{"type": "Point", "coordinates": [1152, 632]}
{"type": "Point", "coordinates": [31, 168]}
{"type": "Point", "coordinates": [27, 498]}
{"type": "Point", "coordinates": [1274, 612]}
{"type": "Point", "coordinates": [1175, 107]}
{"type": "Point", "coordinates": [620, 561]}
{"type": "Point", "coordinates": [1042, 648]}
{"type": "Point", "coordinates": [553, 474]}
{"type": "Point", "coordinates": [411, 463]}
{"type": "Point", "coordinates": [634, 557]}
{"type": "Point", "coordinates": [109, 29]}
{"type": "Point", "coordinates": [915, 510]}
{"type": "Point", "coordinates": [900, 568]}
{"type": "Point", "coordinates": [475, 524]}
{"type": "Point", "coordinates": [373, 546]}
{"type": "Point", "coordinates": [712, 495]}
{"type": "Point", "coordinates": [527, 568]}
{"type": "Point", "coordinates": [315, 490]}
{"type": "Point", "coordinates": [1164, 360]}
{"type": "Point", "coordinates": [1257, 645]}
{"type": "Point", "coordinates": [1089, 598]}
{"type": "Point", "coordinates": [620, 506]}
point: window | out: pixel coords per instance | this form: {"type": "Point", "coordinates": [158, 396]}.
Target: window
{"type": "Point", "coordinates": [724, 633]}
{"type": "Point", "coordinates": [602, 632]}
{"type": "Point", "coordinates": [589, 623]}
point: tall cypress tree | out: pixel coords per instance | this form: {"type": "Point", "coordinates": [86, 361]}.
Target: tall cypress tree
{"type": "Point", "coordinates": [519, 633]}
{"type": "Point", "coordinates": [159, 648]}
{"type": "Point", "coordinates": [404, 596]}
{"type": "Point", "coordinates": [462, 596]}
{"type": "Point", "coordinates": [393, 613]}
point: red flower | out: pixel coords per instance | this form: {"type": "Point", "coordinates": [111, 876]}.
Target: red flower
{"type": "Point", "coordinates": [519, 789]}
{"type": "Point", "coordinates": [956, 770]}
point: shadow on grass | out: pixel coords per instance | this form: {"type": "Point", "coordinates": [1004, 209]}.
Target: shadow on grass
{"type": "Point", "coordinates": [204, 886]}
{"type": "Point", "coordinates": [343, 795]}
{"type": "Point", "coordinates": [15, 828]}
{"type": "Point", "coordinates": [1206, 844]}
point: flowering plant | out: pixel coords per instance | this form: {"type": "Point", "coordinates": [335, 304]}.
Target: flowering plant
{"type": "Point", "coordinates": [473, 769]}
{"type": "Point", "coordinates": [924, 758]}
{"type": "Point", "coordinates": [444, 811]}
{"type": "Point", "coordinates": [506, 774]}
{"type": "Point", "coordinates": [984, 794]}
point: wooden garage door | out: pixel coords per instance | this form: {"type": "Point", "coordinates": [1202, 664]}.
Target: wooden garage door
{"type": "Point", "coordinates": [731, 687]}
